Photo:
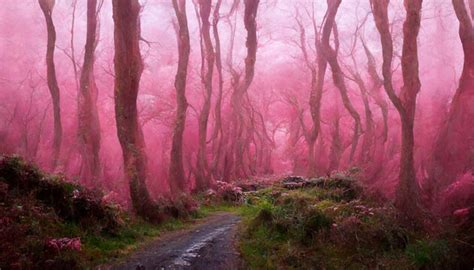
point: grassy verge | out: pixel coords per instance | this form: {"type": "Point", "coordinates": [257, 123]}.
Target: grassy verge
{"type": "Point", "coordinates": [330, 228]}
{"type": "Point", "coordinates": [98, 249]}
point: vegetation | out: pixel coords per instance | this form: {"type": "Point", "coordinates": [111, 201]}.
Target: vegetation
{"type": "Point", "coordinates": [48, 223]}
{"type": "Point", "coordinates": [332, 226]}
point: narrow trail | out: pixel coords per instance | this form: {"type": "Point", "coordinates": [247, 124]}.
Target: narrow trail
{"type": "Point", "coordinates": [207, 245]}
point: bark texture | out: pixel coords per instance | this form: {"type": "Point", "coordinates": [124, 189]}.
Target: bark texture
{"type": "Point", "coordinates": [454, 149]}
{"type": "Point", "coordinates": [89, 125]}
{"type": "Point", "coordinates": [177, 178]}
{"type": "Point", "coordinates": [337, 74]}
{"type": "Point", "coordinates": [128, 69]}
{"type": "Point", "coordinates": [47, 8]}
{"type": "Point", "coordinates": [239, 128]}
{"type": "Point", "coordinates": [202, 168]}
{"type": "Point", "coordinates": [407, 195]}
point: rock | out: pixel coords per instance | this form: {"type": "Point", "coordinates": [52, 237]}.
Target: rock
{"type": "Point", "coordinates": [293, 179]}
{"type": "Point", "coordinates": [293, 185]}
{"type": "Point", "coordinates": [249, 186]}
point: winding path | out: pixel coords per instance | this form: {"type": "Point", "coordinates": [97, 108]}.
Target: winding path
{"type": "Point", "coordinates": [207, 246]}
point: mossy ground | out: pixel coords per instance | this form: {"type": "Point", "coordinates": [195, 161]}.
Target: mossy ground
{"type": "Point", "coordinates": [322, 228]}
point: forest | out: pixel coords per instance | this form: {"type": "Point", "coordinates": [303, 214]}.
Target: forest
{"type": "Point", "coordinates": [245, 134]}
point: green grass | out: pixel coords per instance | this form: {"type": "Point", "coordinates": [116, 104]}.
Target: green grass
{"type": "Point", "coordinates": [100, 249]}
{"type": "Point", "coordinates": [312, 229]}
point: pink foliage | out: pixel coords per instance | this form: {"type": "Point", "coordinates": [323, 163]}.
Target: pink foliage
{"type": "Point", "coordinates": [65, 243]}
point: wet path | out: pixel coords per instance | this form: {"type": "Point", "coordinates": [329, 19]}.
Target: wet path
{"type": "Point", "coordinates": [209, 245]}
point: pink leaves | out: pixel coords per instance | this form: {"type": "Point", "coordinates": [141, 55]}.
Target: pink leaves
{"type": "Point", "coordinates": [59, 244]}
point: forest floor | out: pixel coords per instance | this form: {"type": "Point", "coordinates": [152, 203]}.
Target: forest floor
{"type": "Point", "coordinates": [209, 244]}
{"type": "Point", "coordinates": [293, 223]}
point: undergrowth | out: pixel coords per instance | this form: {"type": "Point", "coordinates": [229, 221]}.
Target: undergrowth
{"type": "Point", "coordinates": [48, 223]}
{"type": "Point", "coordinates": [328, 224]}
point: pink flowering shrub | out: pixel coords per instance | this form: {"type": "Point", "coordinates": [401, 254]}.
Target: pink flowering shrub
{"type": "Point", "coordinates": [59, 244]}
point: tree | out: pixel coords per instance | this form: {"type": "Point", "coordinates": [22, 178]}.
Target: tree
{"type": "Point", "coordinates": [47, 8]}
{"type": "Point", "coordinates": [237, 98]}
{"type": "Point", "coordinates": [337, 74]}
{"type": "Point", "coordinates": [454, 148]}
{"type": "Point", "coordinates": [218, 132]}
{"type": "Point", "coordinates": [318, 72]}
{"type": "Point", "coordinates": [177, 179]}
{"type": "Point", "coordinates": [88, 118]}
{"type": "Point", "coordinates": [407, 195]}
{"type": "Point", "coordinates": [207, 67]}
{"type": "Point", "coordinates": [128, 69]}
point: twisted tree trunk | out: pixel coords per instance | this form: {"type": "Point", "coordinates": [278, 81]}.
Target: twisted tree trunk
{"type": "Point", "coordinates": [177, 179]}
{"type": "Point", "coordinates": [89, 126]}
{"type": "Point", "coordinates": [202, 166]}
{"type": "Point", "coordinates": [237, 99]}
{"type": "Point", "coordinates": [454, 149]}
{"type": "Point", "coordinates": [407, 195]}
{"type": "Point", "coordinates": [47, 8]}
{"type": "Point", "coordinates": [337, 74]}
{"type": "Point", "coordinates": [218, 130]}
{"type": "Point", "coordinates": [128, 69]}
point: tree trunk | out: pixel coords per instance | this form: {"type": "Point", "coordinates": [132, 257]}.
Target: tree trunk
{"type": "Point", "coordinates": [177, 179]}
{"type": "Point", "coordinates": [202, 166]}
{"type": "Point", "coordinates": [238, 125]}
{"type": "Point", "coordinates": [407, 195]}
{"type": "Point", "coordinates": [218, 131]}
{"type": "Point", "coordinates": [368, 141]}
{"type": "Point", "coordinates": [128, 69]}
{"type": "Point", "coordinates": [454, 149]}
{"type": "Point", "coordinates": [316, 93]}
{"type": "Point", "coordinates": [377, 82]}
{"type": "Point", "coordinates": [47, 8]}
{"type": "Point", "coordinates": [336, 146]}
{"type": "Point", "coordinates": [89, 126]}
{"type": "Point", "coordinates": [337, 74]}
{"type": "Point", "coordinates": [408, 187]}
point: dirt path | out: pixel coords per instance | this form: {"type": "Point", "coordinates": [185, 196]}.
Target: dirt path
{"type": "Point", "coordinates": [207, 245]}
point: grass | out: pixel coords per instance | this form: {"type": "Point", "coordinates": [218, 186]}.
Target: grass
{"type": "Point", "coordinates": [99, 249]}
{"type": "Point", "coordinates": [330, 228]}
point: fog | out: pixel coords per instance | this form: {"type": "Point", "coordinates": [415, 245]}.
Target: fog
{"type": "Point", "coordinates": [268, 120]}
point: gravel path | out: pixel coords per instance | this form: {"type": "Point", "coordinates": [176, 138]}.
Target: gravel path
{"type": "Point", "coordinates": [208, 246]}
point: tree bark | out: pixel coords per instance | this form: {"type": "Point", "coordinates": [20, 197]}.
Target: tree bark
{"type": "Point", "coordinates": [377, 82]}
{"type": "Point", "coordinates": [337, 74]}
{"type": "Point", "coordinates": [202, 166]}
{"type": "Point", "coordinates": [177, 179]}
{"type": "Point", "coordinates": [250, 15]}
{"type": "Point", "coordinates": [89, 125]}
{"type": "Point", "coordinates": [407, 195]}
{"type": "Point", "coordinates": [218, 131]}
{"type": "Point", "coordinates": [128, 69]}
{"type": "Point", "coordinates": [47, 8]}
{"type": "Point", "coordinates": [454, 148]}
{"type": "Point", "coordinates": [317, 83]}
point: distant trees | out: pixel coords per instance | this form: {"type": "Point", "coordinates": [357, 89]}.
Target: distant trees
{"type": "Point", "coordinates": [176, 179]}
{"type": "Point", "coordinates": [88, 118]}
{"type": "Point", "coordinates": [128, 69]}
{"type": "Point", "coordinates": [47, 8]}
{"type": "Point", "coordinates": [318, 69]}
{"type": "Point", "coordinates": [239, 116]}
